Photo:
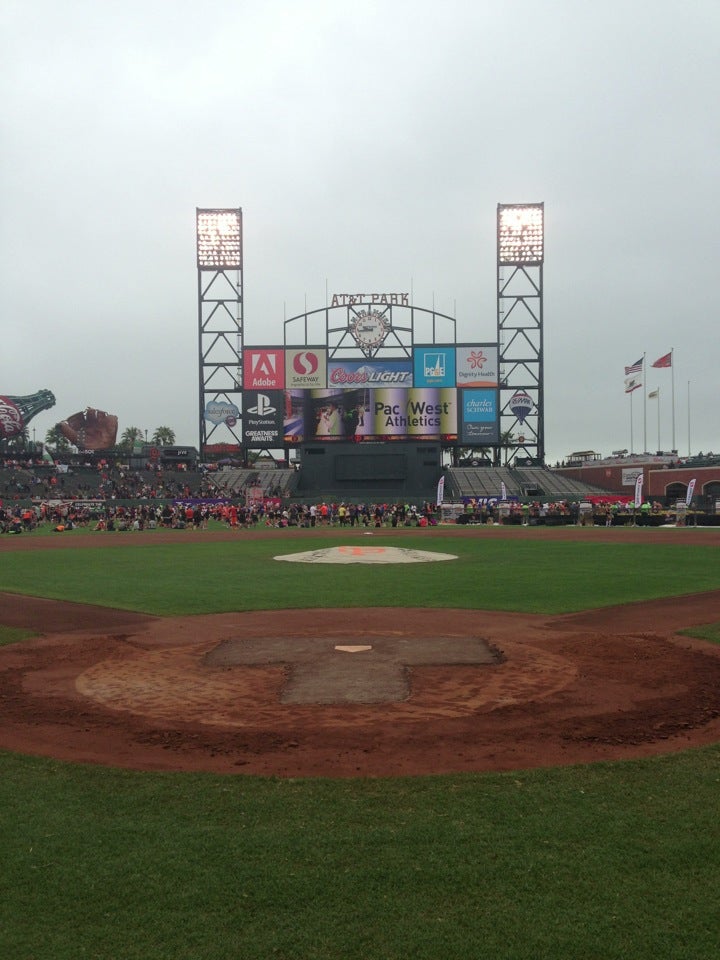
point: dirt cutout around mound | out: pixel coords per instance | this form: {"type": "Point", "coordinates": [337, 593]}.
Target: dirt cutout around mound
{"type": "Point", "coordinates": [298, 693]}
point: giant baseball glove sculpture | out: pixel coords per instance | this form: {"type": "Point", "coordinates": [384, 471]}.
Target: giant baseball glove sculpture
{"type": "Point", "coordinates": [90, 429]}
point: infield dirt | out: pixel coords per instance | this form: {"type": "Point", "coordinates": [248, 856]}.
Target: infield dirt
{"type": "Point", "coordinates": [112, 687]}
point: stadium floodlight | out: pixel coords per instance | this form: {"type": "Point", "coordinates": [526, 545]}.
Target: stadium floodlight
{"type": "Point", "coordinates": [520, 233]}
{"type": "Point", "coordinates": [219, 239]}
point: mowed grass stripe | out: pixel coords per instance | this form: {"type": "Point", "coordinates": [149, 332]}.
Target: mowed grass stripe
{"type": "Point", "coordinates": [194, 578]}
{"type": "Point", "coordinates": [608, 861]}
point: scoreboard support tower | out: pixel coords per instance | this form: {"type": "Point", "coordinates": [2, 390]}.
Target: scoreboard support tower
{"type": "Point", "coordinates": [220, 325]}
{"type": "Point", "coordinates": [520, 257]}
{"type": "Point", "coordinates": [511, 424]}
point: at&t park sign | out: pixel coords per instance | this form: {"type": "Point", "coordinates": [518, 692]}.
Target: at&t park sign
{"type": "Point", "coordinates": [377, 299]}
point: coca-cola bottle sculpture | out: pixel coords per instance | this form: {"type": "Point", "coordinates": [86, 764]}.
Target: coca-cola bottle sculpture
{"type": "Point", "coordinates": [17, 412]}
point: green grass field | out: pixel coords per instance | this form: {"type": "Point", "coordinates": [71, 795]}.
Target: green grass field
{"type": "Point", "coordinates": [198, 575]}
{"type": "Point", "coordinates": [585, 863]}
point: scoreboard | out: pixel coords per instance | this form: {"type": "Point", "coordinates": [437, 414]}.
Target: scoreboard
{"type": "Point", "coordinates": [446, 393]}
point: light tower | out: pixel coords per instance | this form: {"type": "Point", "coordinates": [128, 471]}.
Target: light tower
{"type": "Point", "coordinates": [220, 325]}
{"type": "Point", "coordinates": [520, 255]}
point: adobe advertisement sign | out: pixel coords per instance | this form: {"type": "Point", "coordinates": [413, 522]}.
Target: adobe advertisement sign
{"type": "Point", "coordinates": [479, 424]}
{"type": "Point", "coordinates": [263, 417]}
{"type": "Point", "coordinates": [263, 368]}
{"type": "Point", "coordinates": [306, 368]}
{"type": "Point", "coordinates": [477, 366]}
{"type": "Point", "coordinates": [345, 374]}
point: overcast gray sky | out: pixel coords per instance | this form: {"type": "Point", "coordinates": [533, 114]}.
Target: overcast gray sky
{"type": "Point", "coordinates": [368, 145]}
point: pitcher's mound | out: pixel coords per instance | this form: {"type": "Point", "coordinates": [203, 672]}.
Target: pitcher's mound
{"type": "Point", "coordinates": [357, 554]}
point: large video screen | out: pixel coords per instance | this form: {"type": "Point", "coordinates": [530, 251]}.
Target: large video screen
{"type": "Point", "coordinates": [388, 413]}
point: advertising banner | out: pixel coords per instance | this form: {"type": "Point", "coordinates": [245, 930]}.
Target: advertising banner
{"type": "Point", "coordinates": [479, 424]}
{"type": "Point", "coordinates": [477, 366]}
{"type": "Point", "coordinates": [629, 475]}
{"type": "Point", "coordinates": [638, 489]}
{"type": "Point", "coordinates": [221, 411]}
{"type": "Point", "coordinates": [434, 366]}
{"type": "Point", "coordinates": [426, 413]}
{"type": "Point", "coordinates": [392, 413]}
{"type": "Point", "coordinates": [263, 418]}
{"type": "Point", "coordinates": [306, 368]}
{"type": "Point", "coordinates": [440, 496]}
{"type": "Point", "coordinates": [263, 368]}
{"type": "Point", "coordinates": [521, 405]}
{"type": "Point", "coordinates": [345, 374]}
{"type": "Point", "coordinates": [299, 394]}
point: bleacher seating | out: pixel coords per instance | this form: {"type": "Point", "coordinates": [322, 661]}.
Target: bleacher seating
{"type": "Point", "coordinates": [88, 483]}
{"type": "Point", "coordinates": [521, 482]}
{"type": "Point", "coordinates": [272, 481]}
{"type": "Point", "coordinates": [525, 483]}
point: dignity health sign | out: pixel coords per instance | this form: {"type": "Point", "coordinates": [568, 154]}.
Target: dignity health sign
{"type": "Point", "coordinates": [477, 366]}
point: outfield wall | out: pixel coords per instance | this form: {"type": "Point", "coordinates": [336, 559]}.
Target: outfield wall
{"type": "Point", "coordinates": [352, 470]}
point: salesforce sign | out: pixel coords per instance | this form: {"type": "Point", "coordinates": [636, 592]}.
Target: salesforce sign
{"type": "Point", "coordinates": [217, 411]}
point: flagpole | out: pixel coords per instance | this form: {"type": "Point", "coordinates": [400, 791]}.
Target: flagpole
{"type": "Point", "coordinates": [672, 385]}
{"type": "Point", "coordinates": [644, 407]}
{"type": "Point", "coordinates": [659, 448]}
{"type": "Point", "coordinates": [689, 454]}
{"type": "Point", "coordinates": [632, 448]}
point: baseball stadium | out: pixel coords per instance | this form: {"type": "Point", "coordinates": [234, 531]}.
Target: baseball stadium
{"type": "Point", "coordinates": [485, 735]}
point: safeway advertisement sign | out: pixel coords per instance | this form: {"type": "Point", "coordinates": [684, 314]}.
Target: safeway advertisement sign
{"type": "Point", "coordinates": [263, 368]}
{"type": "Point", "coordinates": [306, 368]}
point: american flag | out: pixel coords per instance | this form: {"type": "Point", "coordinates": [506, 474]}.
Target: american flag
{"type": "Point", "coordinates": [635, 368]}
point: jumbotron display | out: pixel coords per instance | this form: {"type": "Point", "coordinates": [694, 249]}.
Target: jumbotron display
{"type": "Point", "coordinates": [293, 396]}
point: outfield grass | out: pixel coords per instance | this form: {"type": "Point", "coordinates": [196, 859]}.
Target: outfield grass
{"type": "Point", "coordinates": [193, 577]}
{"type": "Point", "coordinates": [602, 862]}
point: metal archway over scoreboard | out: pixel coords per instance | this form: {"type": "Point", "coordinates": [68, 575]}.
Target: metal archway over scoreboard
{"type": "Point", "coordinates": [370, 367]}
